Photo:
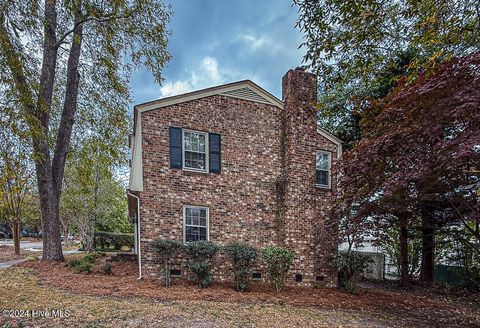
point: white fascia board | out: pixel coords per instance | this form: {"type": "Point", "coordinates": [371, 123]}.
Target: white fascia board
{"type": "Point", "coordinates": [136, 170]}
{"type": "Point", "coordinates": [210, 92]}
{"type": "Point", "coordinates": [324, 133]}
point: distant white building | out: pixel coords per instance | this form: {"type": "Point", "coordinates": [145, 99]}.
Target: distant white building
{"type": "Point", "coordinates": [384, 267]}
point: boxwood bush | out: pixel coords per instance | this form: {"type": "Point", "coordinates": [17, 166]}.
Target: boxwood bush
{"type": "Point", "coordinates": [278, 260]}
{"type": "Point", "coordinates": [84, 264]}
{"type": "Point", "coordinates": [167, 250]}
{"type": "Point", "coordinates": [243, 256]}
{"type": "Point", "coordinates": [200, 253]}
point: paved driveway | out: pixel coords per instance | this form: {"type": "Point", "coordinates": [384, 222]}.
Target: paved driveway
{"type": "Point", "coordinates": [35, 245]}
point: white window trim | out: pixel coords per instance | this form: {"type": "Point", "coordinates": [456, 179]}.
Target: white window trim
{"type": "Point", "coordinates": [185, 220]}
{"type": "Point", "coordinates": [207, 159]}
{"type": "Point", "coordinates": [329, 175]}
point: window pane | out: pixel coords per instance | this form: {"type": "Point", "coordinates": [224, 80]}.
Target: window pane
{"type": "Point", "coordinates": [195, 160]}
{"type": "Point", "coordinates": [201, 143]}
{"type": "Point", "coordinates": [201, 161]}
{"type": "Point", "coordinates": [322, 161]}
{"type": "Point", "coordinates": [202, 233]}
{"type": "Point", "coordinates": [196, 220]}
{"type": "Point", "coordinates": [187, 140]}
{"type": "Point", "coordinates": [322, 178]}
{"type": "Point", "coordinates": [188, 216]}
{"type": "Point", "coordinates": [188, 159]}
{"type": "Point", "coordinates": [194, 142]}
{"type": "Point", "coordinates": [191, 234]}
{"type": "Point", "coordinates": [195, 234]}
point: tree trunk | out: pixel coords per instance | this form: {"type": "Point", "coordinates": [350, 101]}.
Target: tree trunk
{"type": "Point", "coordinates": [49, 173]}
{"type": "Point", "coordinates": [49, 202]}
{"type": "Point", "coordinates": [428, 248]}
{"type": "Point", "coordinates": [95, 200]}
{"type": "Point", "coordinates": [52, 243]}
{"type": "Point", "coordinates": [89, 236]}
{"type": "Point", "coordinates": [65, 235]}
{"type": "Point", "coordinates": [404, 276]}
{"type": "Point", "coordinates": [16, 236]}
{"type": "Point", "coordinates": [52, 249]}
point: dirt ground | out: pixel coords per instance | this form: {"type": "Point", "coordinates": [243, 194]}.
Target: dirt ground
{"type": "Point", "coordinates": [98, 300]}
{"type": "Point", "coordinates": [7, 254]}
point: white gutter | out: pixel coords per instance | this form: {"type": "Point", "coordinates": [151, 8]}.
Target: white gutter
{"type": "Point", "coordinates": [138, 229]}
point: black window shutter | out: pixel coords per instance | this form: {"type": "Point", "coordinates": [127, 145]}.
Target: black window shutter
{"type": "Point", "coordinates": [175, 148]}
{"type": "Point", "coordinates": [215, 148]}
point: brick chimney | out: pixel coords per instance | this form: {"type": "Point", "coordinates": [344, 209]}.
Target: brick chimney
{"type": "Point", "coordinates": [302, 202]}
{"type": "Point", "coordinates": [299, 94]}
{"type": "Point", "coordinates": [298, 85]}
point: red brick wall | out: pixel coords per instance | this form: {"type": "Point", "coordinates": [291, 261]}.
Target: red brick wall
{"type": "Point", "coordinates": [309, 229]}
{"type": "Point", "coordinates": [245, 199]}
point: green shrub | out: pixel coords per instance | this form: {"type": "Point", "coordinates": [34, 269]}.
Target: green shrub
{"type": "Point", "coordinates": [107, 268]}
{"type": "Point", "coordinates": [80, 265]}
{"type": "Point", "coordinates": [105, 240]}
{"type": "Point", "coordinates": [351, 266]}
{"type": "Point", "coordinates": [200, 254]}
{"type": "Point", "coordinates": [167, 250]}
{"type": "Point", "coordinates": [243, 257]}
{"type": "Point", "coordinates": [278, 260]}
{"type": "Point", "coordinates": [86, 263]}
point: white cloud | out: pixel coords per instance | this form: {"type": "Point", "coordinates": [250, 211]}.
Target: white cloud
{"type": "Point", "coordinates": [253, 42]}
{"type": "Point", "coordinates": [207, 74]}
{"type": "Point", "coordinates": [259, 43]}
{"type": "Point", "coordinates": [210, 65]}
{"type": "Point", "coordinates": [175, 88]}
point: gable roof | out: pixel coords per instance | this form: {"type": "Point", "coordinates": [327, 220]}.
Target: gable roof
{"type": "Point", "coordinates": [242, 89]}
{"type": "Point", "coordinates": [245, 89]}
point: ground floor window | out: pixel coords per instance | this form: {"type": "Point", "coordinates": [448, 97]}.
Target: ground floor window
{"type": "Point", "coordinates": [195, 223]}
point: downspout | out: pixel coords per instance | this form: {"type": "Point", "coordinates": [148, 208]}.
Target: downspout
{"type": "Point", "coordinates": [138, 230]}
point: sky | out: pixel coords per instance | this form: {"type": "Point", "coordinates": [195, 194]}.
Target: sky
{"type": "Point", "coordinates": [213, 42]}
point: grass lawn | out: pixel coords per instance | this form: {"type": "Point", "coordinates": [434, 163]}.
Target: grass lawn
{"type": "Point", "coordinates": [119, 300]}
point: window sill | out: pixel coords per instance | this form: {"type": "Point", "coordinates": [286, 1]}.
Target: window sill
{"type": "Point", "coordinates": [194, 170]}
{"type": "Point", "coordinates": [323, 187]}
{"type": "Point", "coordinates": [188, 242]}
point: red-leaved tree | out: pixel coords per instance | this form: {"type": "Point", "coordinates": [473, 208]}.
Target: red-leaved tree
{"type": "Point", "coordinates": [420, 151]}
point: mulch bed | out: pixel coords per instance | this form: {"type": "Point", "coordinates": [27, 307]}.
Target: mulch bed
{"type": "Point", "coordinates": [123, 283]}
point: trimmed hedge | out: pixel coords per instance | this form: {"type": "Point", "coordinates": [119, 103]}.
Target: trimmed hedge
{"type": "Point", "coordinates": [243, 257]}
{"type": "Point", "coordinates": [200, 254]}
{"type": "Point", "coordinates": [167, 250]}
{"type": "Point", "coordinates": [105, 240]}
{"type": "Point", "coordinates": [278, 260]}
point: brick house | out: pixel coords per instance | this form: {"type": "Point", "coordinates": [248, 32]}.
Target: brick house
{"type": "Point", "coordinates": [233, 163]}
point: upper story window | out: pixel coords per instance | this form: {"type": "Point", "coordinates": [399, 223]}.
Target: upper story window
{"type": "Point", "coordinates": [195, 223]}
{"type": "Point", "coordinates": [192, 150]}
{"type": "Point", "coordinates": [323, 163]}
{"type": "Point", "coordinates": [195, 150]}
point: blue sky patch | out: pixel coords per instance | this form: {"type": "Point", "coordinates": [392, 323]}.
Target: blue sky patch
{"type": "Point", "coordinates": [214, 42]}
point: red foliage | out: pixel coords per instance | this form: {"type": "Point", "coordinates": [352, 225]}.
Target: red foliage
{"type": "Point", "coordinates": [423, 142]}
